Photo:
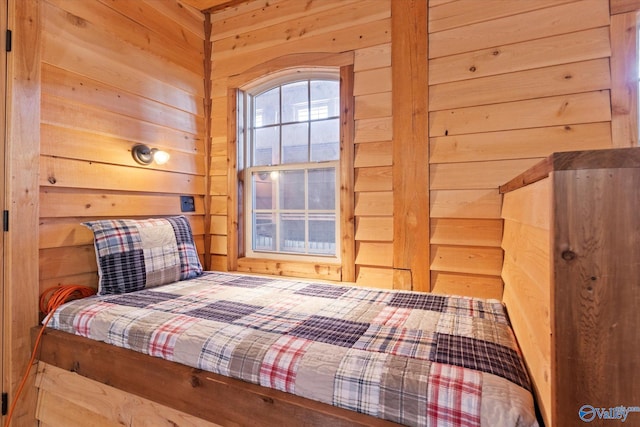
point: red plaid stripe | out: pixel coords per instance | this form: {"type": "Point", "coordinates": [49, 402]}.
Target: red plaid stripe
{"type": "Point", "coordinates": [82, 321]}
{"type": "Point", "coordinates": [454, 396]}
{"type": "Point", "coordinates": [163, 339]}
{"type": "Point", "coordinates": [280, 363]}
{"type": "Point", "coordinates": [392, 316]}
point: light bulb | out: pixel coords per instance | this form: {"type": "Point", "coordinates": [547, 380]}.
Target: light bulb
{"type": "Point", "coordinates": [160, 157]}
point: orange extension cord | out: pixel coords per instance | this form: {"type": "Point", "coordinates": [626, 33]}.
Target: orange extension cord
{"type": "Point", "coordinates": [50, 300]}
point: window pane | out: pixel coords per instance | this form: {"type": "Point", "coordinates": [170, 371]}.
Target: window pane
{"type": "Point", "coordinates": [264, 232]}
{"type": "Point", "coordinates": [322, 234]}
{"type": "Point", "coordinates": [266, 146]}
{"type": "Point", "coordinates": [325, 140]}
{"type": "Point", "coordinates": [292, 233]}
{"type": "Point", "coordinates": [263, 191]}
{"type": "Point", "coordinates": [267, 108]}
{"type": "Point", "coordinates": [295, 147]}
{"type": "Point", "coordinates": [295, 102]}
{"type": "Point", "coordinates": [291, 189]}
{"type": "Point", "coordinates": [322, 189]}
{"type": "Point", "coordinates": [325, 99]}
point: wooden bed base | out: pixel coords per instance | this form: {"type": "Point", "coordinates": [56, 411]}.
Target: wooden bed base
{"type": "Point", "coordinates": [215, 398]}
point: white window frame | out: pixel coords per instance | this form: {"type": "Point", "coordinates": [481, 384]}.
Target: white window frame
{"type": "Point", "coordinates": [246, 114]}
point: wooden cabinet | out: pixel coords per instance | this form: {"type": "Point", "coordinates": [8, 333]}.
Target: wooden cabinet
{"type": "Point", "coordinates": [572, 281]}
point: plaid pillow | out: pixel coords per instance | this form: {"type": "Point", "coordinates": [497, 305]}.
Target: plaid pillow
{"type": "Point", "coordinates": [138, 254]}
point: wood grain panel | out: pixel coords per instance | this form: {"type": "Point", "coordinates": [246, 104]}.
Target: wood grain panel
{"type": "Point", "coordinates": [372, 57]}
{"type": "Point", "coordinates": [532, 54]}
{"type": "Point", "coordinates": [366, 35]}
{"type": "Point", "coordinates": [372, 81]}
{"type": "Point", "coordinates": [61, 112]}
{"type": "Point", "coordinates": [374, 105]}
{"type": "Point", "coordinates": [551, 21]}
{"type": "Point", "coordinates": [589, 107]}
{"type": "Point", "coordinates": [373, 154]}
{"type": "Point", "coordinates": [66, 397]}
{"type": "Point", "coordinates": [68, 30]}
{"type": "Point", "coordinates": [624, 76]}
{"type": "Point", "coordinates": [468, 232]}
{"type": "Point", "coordinates": [66, 142]}
{"type": "Point", "coordinates": [623, 6]}
{"type": "Point", "coordinates": [378, 203]}
{"type": "Point", "coordinates": [476, 175]}
{"type": "Point", "coordinates": [453, 14]}
{"type": "Point", "coordinates": [83, 90]}
{"type": "Point", "coordinates": [373, 179]}
{"type": "Point", "coordinates": [374, 228]}
{"type": "Point", "coordinates": [595, 261]}
{"type": "Point", "coordinates": [113, 22]}
{"type": "Point", "coordinates": [377, 254]}
{"type": "Point", "coordinates": [562, 79]}
{"type": "Point", "coordinates": [466, 259]}
{"type": "Point", "coordinates": [466, 284]}
{"type": "Point", "coordinates": [465, 204]}
{"type": "Point", "coordinates": [259, 18]}
{"type": "Point", "coordinates": [531, 205]}
{"type": "Point", "coordinates": [519, 143]}
{"type": "Point", "coordinates": [376, 277]}
{"type": "Point", "coordinates": [323, 271]}
{"type": "Point", "coordinates": [80, 174]}
{"type": "Point", "coordinates": [372, 130]}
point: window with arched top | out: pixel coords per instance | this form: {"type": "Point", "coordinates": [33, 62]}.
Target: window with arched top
{"type": "Point", "coordinates": [292, 180]}
{"type": "Point", "coordinates": [294, 172]}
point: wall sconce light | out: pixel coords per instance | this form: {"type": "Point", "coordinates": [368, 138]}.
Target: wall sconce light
{"type": "Point", "coordinates": [145, 155]}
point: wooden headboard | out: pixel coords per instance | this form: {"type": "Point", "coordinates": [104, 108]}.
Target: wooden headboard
{"type": "Point", "coordinates": [572, 280]}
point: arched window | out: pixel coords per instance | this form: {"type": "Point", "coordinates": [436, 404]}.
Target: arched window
{"type": "Point", "coordinates": [290, 136]}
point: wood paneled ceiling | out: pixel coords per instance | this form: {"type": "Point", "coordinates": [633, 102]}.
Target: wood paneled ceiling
{"type": "Point", "coordinates": [212, 5]}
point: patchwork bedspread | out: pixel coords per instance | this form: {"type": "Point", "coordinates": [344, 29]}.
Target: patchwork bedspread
{"type": "Point", "coordinates": [413, 358]}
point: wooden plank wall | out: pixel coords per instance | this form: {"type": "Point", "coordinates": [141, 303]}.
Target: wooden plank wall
{"type": "Point", "coordinates": [115, 74]}
{"type": "Point", "coordinates": [509, 83]}
{"type": "Point", "coordinates": [256, 32]}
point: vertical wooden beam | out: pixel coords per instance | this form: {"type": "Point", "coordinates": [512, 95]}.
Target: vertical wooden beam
{"type": "Point", "coordinates": [207, 69]}
{"type": "Point", "coordinates": [624, 80]}
{"type": "Point", "coordinates": [347, 201]}
{"type": "Point", "coordinates": [3, 104]}
{"type": "Point", "coordinates": [410, 145]}
{"type": "Point", "coordinates": [20, 312]}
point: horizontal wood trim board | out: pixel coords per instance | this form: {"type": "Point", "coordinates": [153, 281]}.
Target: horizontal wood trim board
{"type": "Point", "coordinates": [561, 79]}
{"type": "Point", "coordinates": [476, 175]}
{"type": "Point", "coordinates": [589, 107]}
{"type": "Point", "coordinates": [65, 142]}
{"type": "Point", "coordinates": [519, 143]}
{"type": "Point", "coordinates": [373, 130]}
{"type": "Point", "coordinates": [64, 113]}
{"type": "Point", "coordinates": [465, 204]}
{"type": "Point", "coordinates": [82, 90]}
{"type": "Point", "coordinates": [230, 63]}
{"type": "Point", "coordinates": [463, 259]}
{"type": "Point", "coordinates": [57, 172]}
{"type": "Point", "coordinates": [372, 57]}
{"type": "Point", "coordinates": [467, 232]}
{"type": "Point", "coordinates": [534, 54]}
{"type": "Point", "coordinates": [550, 21]}
{"type": "Point", "coordinates": [84, 36]}
{"type": "Point", "coordinates": [479, 286]}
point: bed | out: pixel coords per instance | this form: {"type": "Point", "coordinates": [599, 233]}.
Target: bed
{"type": "Point", "coordinates": [295, 351]}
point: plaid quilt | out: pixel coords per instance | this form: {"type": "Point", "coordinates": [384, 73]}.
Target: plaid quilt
{"type": "Point", "coordinates": [413, 358]}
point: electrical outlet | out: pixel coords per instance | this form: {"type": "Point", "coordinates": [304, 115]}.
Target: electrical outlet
{"type": "Point", "coordinates": [187, 204]}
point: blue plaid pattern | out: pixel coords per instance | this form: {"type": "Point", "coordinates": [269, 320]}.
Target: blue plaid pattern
{"type": "Point", "coordinates": [128, 262]}
{"type": "Point", "coordinates": [416, 359]}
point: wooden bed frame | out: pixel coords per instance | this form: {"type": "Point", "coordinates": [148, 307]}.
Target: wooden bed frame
{"type": "Point", "coordinates": [571, 267]}
{"type": "Point", "coordinates": [571, 271]}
